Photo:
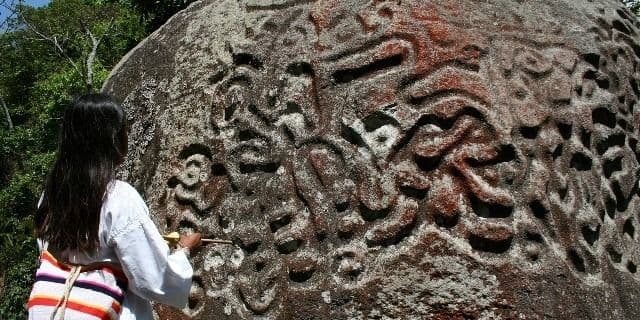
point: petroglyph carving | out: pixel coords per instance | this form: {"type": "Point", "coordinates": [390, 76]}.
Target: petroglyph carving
{"type": "Point", "coordinates": [343, 141]}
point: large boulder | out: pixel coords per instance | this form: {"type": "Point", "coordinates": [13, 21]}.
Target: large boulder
{"type": "Point", "coordinates": [394, 159]}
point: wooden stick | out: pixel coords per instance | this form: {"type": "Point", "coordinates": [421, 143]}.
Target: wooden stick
{"type": "Point", "coordinates": [219, 241]}
{"type": "Point", "coordinates": [173, 237]}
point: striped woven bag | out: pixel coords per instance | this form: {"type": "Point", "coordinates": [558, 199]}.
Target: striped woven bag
{"type": "Point", "coordinates": [72, 292]}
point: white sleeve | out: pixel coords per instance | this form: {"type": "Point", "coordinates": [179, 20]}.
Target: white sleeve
{"type": "Point", "coordinates": [153, 273]}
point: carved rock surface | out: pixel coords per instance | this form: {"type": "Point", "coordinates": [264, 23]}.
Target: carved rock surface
{"type": "Point", "coordinates": [394, 159]}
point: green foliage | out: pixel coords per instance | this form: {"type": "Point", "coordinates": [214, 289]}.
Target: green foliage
{"type": "Point", "coordinates": [634, 5]}
{"type": "Point", "coordinates": [18, 281]}
{"type": "Point", "coordinates": [17, 245]}
{"type": "Point", "coordinates": [155, 13]}
{"type": "Point", "coordinates": [37, 79]}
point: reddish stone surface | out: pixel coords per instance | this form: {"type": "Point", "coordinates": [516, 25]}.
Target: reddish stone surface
{"type": "Point", "coordinates": [394, 159]}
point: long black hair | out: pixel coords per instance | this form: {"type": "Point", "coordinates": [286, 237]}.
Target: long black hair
{"type": "Point", "coordinates": [92, 143]}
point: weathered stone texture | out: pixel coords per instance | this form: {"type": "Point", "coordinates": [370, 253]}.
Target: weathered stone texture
{"type": "Point", "coordinates": [395, 159]}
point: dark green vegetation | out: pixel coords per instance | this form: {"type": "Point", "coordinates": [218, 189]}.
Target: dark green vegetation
{"type": "Point", "coordinates": [48, 55]}
{"type": "Point", "coordinates": [634, 5]}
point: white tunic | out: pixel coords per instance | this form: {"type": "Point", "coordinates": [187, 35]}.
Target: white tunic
{"type": "Point", "coordinates": [129, 238]}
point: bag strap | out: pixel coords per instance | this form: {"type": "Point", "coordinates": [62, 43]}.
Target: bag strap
{"type": "Point", "coordinates": [68, 284]}
{"type": "Point", "coordinates": [74, 273]}
{"type": "Point", "coordinates": [112, 267]}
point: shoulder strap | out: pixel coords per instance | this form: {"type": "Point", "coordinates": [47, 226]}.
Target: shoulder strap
{"type": "Point", "coordinates": [113, 268]}
{"type": "Point", "coordinates": [68, 284]}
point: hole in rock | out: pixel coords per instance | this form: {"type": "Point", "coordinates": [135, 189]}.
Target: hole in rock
{"type": "Point", "coordinates": [195, 148]}
{"type": "Point", "coordinates": [250, 248]}
{"type": "Point", "coordinates": [345, 235]}
{"type": "Point", "coordinates": [342, 206]}
{"type": "Point", "coordinates": [427, 164]}
{"type": "Point", "coordinates": [633, 143]}
{"type": "Point", "coordinates": [590, 75]}
{"type": "Point", "coordinates": [631, 267]}
{"type": "Point", "coordinates": [372, 215]}
{"type": "Point", "coordinates": [353, 274]}
{"type": "Point", "coordinates": [223, 222]}
{"type": "Point", "coordinates": [610, 141]}
{"type": "Point", "coordinates": [218, 76]}
{"type": "Point", "coordinates": [534, 236]}
{"type": "Point", "coordinates": [193, 302]}
{"type": "Point", "coordinates": [489, 210]}
{"type": "Point", "coordinates": [610, 207]}
{"type": "Point", "coordinates": [629, 229]}
{"type": "Point", "coordinates": [321, 236]}
{"type": "Point", "coordinates": [634, 83]}
{"type": "Point", "coordinates": [300, 68]}
{"type": "Point", "coordinates": [289, 246]}
{"type": "Point", "coordinates": [589, 235]}
{"type": "Point", "coordinates": [621, 99]}
{"type": "Point", "coordinates": [280, 222]}
{"type": "Point", "coordinates": [352, 136]}
{"type": "Point", "coordinates": [248, 60]}
{"type": "Point", "coordinates": [611, 166]}
{"type": "Point", "coordinates": [292, 107]}
{"type": "Point", "coordinates": [603, 83]}
{"type": "Point", "coordinates": [585, 138]}
{"type": "Point", "coordinates": [624, 125]}
{"type": "Point", "coordinates": [508, 180]}
{"type": "Point", "coordinates": [447, 221]}
{"type": "Point", "coordinates": [377, 120]}
{"type": "Point", "coordinates": [565, 130]}
{"type": "Point", "coordinates": [301, 276]}
{"type": "Point", "coordinates": [538, 209]}
{"type": "Point", "coordinates": [287, 131]}
{"type": "Point", "coordinates": [614, 254]}
{"type": "Point", "coordinates": [351, 74]}
{"type": "Point", "coordinates": [246, 168]}
{"type": "Point", "coordinates": [622, 202]}
{"type": "Point", "coordinates": [576, 260]}
{"type": "Point", "coordinates": [413, 192]}
{"type": "Point", "coordinates": [229, 111]}
{"type": "Point", "coordinates": [218, 169]}
{"type": "Point", "coordinates": [487, 245]}
{"type": "Point", "coordinates": [581, 162]}
{"type": "Point", "coordinates": [168, 222]}
{"type": "Point", "coordinates": [246, 135]}
{"type": "Point", "coordinates": [173, 182]}
{"type": "Point", "coordinates": [618, 25]}
{"type": "Point", "coordinates": [593, 59]}
{"type": "Point", "coordinates": [259, 266]}
{"type": "Point", "coordinates": [562, 192]}
{"type": "Point", "coordinates": [185, 227]}
{"type": "Point", "coordinates": [557, 152]}
{"type": "Point", "coordinates": [240, 80]}
{"type": "Point", "coordinates": [604, 117]}
{"type": "Point", "coordinates": [529, 132]}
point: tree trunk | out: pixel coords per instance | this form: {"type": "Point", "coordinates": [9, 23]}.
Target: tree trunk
{"type": "Point", "coordinates": [6, 113]}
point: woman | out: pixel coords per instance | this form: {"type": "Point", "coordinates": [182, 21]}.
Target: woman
{"type": "Point", "coordinates": [87, 217]}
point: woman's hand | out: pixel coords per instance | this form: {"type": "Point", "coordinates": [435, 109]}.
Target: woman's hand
{"type": "Point", "coordinates": [190, 241]}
